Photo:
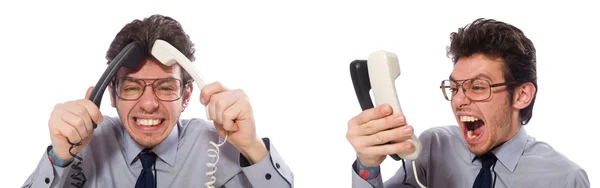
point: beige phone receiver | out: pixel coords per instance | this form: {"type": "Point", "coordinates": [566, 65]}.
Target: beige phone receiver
{"type": "Point", "coordinates": [169, 55]}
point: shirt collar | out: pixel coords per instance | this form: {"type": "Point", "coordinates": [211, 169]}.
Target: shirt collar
{"type": "Point", "coordinates": [509, 153]}
{"type": "Point", "coordinates": [166, 150]}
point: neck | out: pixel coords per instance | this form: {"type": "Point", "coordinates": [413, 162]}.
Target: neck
{"type": "Point", "coordinates": [513, 127]}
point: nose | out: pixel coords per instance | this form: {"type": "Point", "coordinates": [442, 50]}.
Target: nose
{"type": "Point", "coordinates": [460, 99]}
{"type": "Point", "coordinates": [148, 102]}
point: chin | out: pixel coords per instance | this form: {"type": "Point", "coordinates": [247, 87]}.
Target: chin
{"type": "Point", "coordinates": [147, 142]}
{"type": "Point", "coordinates": [479, 149]}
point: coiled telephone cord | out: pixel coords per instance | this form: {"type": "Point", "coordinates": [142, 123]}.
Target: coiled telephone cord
{"type": "Point", "coordinates": [78, 177]}
{"type": "Point", "coordinates": [213, 153]}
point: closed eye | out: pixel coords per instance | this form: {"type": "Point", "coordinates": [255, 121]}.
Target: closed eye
{"type": "Point", "coordinates": [166, 88]}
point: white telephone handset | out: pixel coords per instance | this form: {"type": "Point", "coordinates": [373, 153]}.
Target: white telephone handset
{"type": "Point", "coordinates": [169, 55]}
{"type": "Point", "coordinates": [383, 69]}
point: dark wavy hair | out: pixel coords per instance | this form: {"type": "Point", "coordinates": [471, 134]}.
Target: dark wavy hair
{"type": "Point", "coordinates": [148, 30]}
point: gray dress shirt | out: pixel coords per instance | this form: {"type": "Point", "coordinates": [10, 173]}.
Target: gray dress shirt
{"type": "Point", "coordinates": [110, 160]}
{"type": "Point", "coordinates": [446, 162]}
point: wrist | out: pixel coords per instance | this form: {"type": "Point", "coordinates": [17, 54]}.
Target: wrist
{"type": "Point", "coordinates": [254, 152]}
{"type": "Point", "coordinates": [57, 161]}
{"type": "Point", "coordinates": [367, 172]}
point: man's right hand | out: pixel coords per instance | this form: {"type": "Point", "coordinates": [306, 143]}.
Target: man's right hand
{"type": "Point", "coordinates": [72, 121]}
{"type": "Point", "coordinates": [369, 131]}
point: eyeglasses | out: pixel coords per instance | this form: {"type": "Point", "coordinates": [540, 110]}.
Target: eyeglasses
{"type": "Point", "coordinates": [165, 89]}
{"type": "Point", "coordinates": [475, 89]}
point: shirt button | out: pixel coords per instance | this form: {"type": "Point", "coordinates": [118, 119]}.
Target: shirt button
{"type": "Point", "coordinates": [268, 176]}
{"type": "Point", "coordinates": [277, 165]}
{"type": "Point", "coordinates": [47, 180]}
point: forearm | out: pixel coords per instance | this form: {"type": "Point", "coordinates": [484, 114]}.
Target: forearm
{"type": "Point", "coordinates": [271, 171]}
{"type": "Point", "coordinates": [256, 152]}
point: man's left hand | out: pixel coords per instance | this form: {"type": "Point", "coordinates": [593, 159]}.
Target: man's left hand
{"type": "Point", "coordinates": [232, 114]}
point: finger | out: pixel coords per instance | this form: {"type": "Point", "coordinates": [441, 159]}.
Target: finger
{"type": "Point", "coordinates": [233, 113]}
{"type": "Point", "coordinates": [217, 104]}
{"type": "Point", "coordinates": [73, 116]}
{"type": "Point", "coordinates": [209, 90]}
{"type": "Point", "coordinates": [398, 134]}
{"type": "Point", "coordinates": [70, 133]}
{"type": "Point", "coordinates": [92, 111]}
{"type": "Point", "coordinates": [83, 113]}
{"type": "Point", "coordinates": [210, 107]}
{"type": "Point", "coordinates": [222, 105]}
{"type": "Point", "coordinates": [375, 126]}
{"type": "Point", "coordinates": [388, 149]}
{"type": "Point", "coordinates": [219, 128]}
{"type": "Point", "coordinates": [89, 92]}
{"type": "Point", "coordinates": [86, 115]}
{"type": "Point", "coordinates": [208, 100]}
{"type": "Point", "coordinates": [408, 130]}
{"type": "Point", "coordinates": [68, 130]}
{"type": "Point", "coordinates": [55, 119]}
{"type": "Point", "coordinates": [370, 114]}
{"type": "Point", "coordinates": [221, 102]}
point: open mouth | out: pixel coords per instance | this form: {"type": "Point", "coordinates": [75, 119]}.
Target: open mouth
{"type": "Point", "coordinates": [473, 127]}
{"type": "Point", "coordinates": [148, 122]}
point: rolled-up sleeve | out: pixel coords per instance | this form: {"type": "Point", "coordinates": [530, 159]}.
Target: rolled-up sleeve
{"type": "Point", "coordinates": [272, 171]}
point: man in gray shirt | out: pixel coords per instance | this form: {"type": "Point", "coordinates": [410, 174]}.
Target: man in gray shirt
{"type": "Point", "coordinates": [491, 90]}
{"type": "Point", "coordinates": [148, 145]}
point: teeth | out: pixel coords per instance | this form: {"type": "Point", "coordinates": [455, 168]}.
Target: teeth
{"type": "Point", "coordinates": [148, 122]}
{"type": "Point", "coordinates": [470, 134]}
{"type": "Point", "coordinates": [468, 119]}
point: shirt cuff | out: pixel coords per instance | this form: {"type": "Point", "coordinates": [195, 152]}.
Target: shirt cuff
{"type": "Point", "coordinates": [46, 174]}
{"type": "Point", "coordinates": [269, 172]}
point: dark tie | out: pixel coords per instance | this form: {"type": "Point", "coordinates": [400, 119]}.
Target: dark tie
{"type": "Point", "coordinates": [484, 178]}
{"type": "Point", "coordinates": [146, 178]}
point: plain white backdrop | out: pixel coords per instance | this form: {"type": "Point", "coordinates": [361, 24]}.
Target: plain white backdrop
{"type": "Point", "coordinates": [292, 59]}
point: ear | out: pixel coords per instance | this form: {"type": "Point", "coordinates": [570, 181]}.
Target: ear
{"type": "Point", "coordinates": [523, 95]}
{"type": "Point", "coordinates": [187, 93]}
{"type": "Point", "coordinates": [112, 96]}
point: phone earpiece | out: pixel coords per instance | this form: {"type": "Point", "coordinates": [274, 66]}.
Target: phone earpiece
{"type": "Point", "coordinates": [378, 74]}
{"type": "Point", "coordinates": [169, 55]}
{"type": "Point", "coordinates": [129, 57]}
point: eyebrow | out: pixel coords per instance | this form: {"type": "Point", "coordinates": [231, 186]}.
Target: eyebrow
{"type": "Point", "coordinates": [156, 78]}
{"type": "Point", "coordinates": [478, 76]}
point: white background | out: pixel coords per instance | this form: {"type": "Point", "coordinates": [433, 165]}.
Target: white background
{"type": "Point", "coordinates": [292, 59]}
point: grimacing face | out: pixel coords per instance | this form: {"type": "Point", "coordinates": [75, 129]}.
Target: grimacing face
{"type": "Point", "coordinates": [149, 120]}
{"type": "Point", "coordinates": [484, 124]}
